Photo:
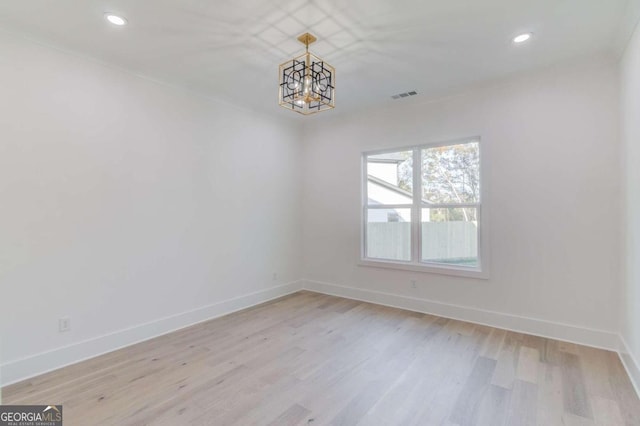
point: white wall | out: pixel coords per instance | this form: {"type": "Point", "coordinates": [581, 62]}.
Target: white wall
{"type": "Point", "coordinates": [124, 202]}
{"type": "Point", "coordinates": [551, 138]}
{"type": "Point", "coordinates": [630, 112]}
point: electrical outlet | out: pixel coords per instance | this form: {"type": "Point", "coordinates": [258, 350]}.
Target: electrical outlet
{"type": "Point", "coordinates": [64, 324]}
{"type": "Point", "coordinates": [275, 276]}
{"type": "Point", "coordinates": [413, 284]}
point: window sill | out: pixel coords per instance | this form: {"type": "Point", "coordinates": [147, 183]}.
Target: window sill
{"type": "Point", "coordinates": [432, 269]}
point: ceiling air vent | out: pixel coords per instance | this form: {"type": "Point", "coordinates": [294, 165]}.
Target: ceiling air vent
{"type": "Point", "coordinates": [404, 95]}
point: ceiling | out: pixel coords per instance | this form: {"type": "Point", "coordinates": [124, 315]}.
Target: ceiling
{"type": "Point", "coordinates": [231, 49]}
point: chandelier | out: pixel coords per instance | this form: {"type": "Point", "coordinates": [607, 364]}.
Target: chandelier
{"type": "Point", "coordinates": [307, 83]}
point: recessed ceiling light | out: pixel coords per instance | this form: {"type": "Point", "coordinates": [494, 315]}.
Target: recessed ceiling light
{"type": "Point", "coordinates": [522, 38]}
{"type": "Point", "coordinates": [115, 19]}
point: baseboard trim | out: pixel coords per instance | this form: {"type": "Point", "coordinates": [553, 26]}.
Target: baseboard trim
{"type": "Point", "coordinates": [569, 333]}
{"type": "Point", "coordinates": [630, 364]}
{"type": "Point", "coordinates": [25, 368]}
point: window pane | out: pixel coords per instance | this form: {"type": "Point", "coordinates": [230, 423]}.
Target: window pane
{"type": "Point", "coordinates": [389, 234]}
{"type": "Point", "coordinates": [390, 178]}
{"type": "Point", "coordinates": [451, 174]}
{"type": "Point", "coordinates": [450, 236]}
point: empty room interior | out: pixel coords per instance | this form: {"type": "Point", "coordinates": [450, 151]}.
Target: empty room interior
{"type": "Point", "coordinates": [320, 212]}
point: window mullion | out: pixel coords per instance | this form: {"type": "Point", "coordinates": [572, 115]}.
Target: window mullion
{"type": "Point", "coordinates": [365, 201]}
{"type": "Point", "coordinates": [450, 206]}
{"type": "Point", "coordinates": [416, 210]}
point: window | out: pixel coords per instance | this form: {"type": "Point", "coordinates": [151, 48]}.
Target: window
{"type": "Point", "coordinates": [422, 209]}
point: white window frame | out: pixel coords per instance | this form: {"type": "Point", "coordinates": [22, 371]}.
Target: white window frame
{"type": "Point", "coordinates": [480, 271]}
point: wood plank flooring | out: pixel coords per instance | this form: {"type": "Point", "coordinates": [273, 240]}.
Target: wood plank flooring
{"type": "Point", "coordinates": [312, 359]}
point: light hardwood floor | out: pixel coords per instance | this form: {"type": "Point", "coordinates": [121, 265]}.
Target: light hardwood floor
{"type": "Point", "coordinates": [312, 359]}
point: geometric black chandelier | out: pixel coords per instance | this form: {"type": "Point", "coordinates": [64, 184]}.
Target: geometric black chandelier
{"type": "Point", "coordinates": [307, 83]}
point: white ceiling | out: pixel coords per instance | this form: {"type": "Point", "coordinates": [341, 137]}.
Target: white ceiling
{"type": "Point", "coordinates": [231, 48]}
